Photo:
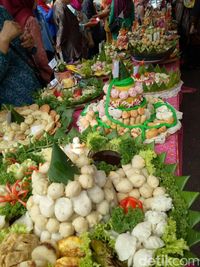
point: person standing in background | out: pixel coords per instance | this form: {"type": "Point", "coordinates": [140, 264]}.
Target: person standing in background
{"type": "Point", "coordinates": [140, 10]}
{"type": "Point", "coordinates": [44, 15]}
{"type": "Point", "coordinates": [70, 41]}
{"type": "Point", "coordinates": [23, 13]}
{"type": "Point", "coordinates": [89, 10]}
{"type": "Point", "coordinates": [105, 14]}
{"type": "Point", "coordinates": [47, 13]}
{"type": "Point", "coordinates": [121, 15]}
{"type": "Point", "coordinates": [17, 79]}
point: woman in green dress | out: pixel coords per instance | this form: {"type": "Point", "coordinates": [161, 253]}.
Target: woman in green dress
{"type": "Point", "coordinates": [121, 15]}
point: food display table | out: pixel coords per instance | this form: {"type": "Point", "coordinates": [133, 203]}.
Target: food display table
{"type": "Point", "coordinates": [173, 145]}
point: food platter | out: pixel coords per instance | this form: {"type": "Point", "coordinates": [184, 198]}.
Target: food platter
{"type": "Point", "coordinates": [152, 57]}
{"type": "Point", "coordinates": [81, 93]}
{"type": "Point", "coordinates": [141, 199]}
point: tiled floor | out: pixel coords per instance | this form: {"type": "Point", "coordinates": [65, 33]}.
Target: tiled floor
{"type": "Point", "coordinates": [191, 139]}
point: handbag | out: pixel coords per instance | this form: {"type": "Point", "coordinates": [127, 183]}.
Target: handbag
{"type": "Point", "coordinates": [31, 64]}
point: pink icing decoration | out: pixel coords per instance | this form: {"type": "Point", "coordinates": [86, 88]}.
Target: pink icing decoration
{"type": "Point", "coordinates": [132, 92]}
{"type": "Point", "coordinates": [138, 89]}
{"type": "Point", "coordinates": [138, 84]}
{"type": "Point", "coordinates": [114, 93]}
{"type": "Point", "coordinates": [105, 88]}
{"type": "Point", "coordinates": [123, 95]}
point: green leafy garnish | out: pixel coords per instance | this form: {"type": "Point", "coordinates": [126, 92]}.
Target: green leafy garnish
{"type": "Point", "coordinates": [127, 149]}
{"type": "Point", "coordinates": [87, 260]}
{"type": "Point", "coordinates": [61, 168]}
{"type": "Point", "coordinates": [16, 228]}
{"type": "Point", "coordinates": [122, 222]}
{"type": "Point", "coordinates": [174, 248]}
{"type": "Point", "coordinates": [101, 232]}
{"type": "Point", "coordinates": [103, 166]}
{"type": "Point", "coordinates": [12, 212]}
{"type": "Point", "coordinates": [96, 141]}
{"type": "Point", "coordinates": [148, 155]}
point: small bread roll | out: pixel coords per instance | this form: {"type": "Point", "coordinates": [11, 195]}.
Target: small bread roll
{"type": "Point", "coordinates": [151, 133]}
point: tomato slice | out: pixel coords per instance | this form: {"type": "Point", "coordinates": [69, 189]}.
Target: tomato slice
{"type": "Point", "coordinates": [130, 202]}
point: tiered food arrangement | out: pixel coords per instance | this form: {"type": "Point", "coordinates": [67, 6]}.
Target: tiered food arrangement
{"type": "Point", "coordinates": [154, 39]}
{"type": "Point", "coordinates": [125, 109]}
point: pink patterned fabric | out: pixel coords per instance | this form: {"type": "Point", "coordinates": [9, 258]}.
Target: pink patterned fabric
{"type": "Point", "coordinates": [40, 57]}
{"type": "Point", "coordinates": [173, 145]}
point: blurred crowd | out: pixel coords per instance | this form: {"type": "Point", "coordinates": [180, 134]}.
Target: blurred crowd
{"type": "Point", "coordinates": [32, 32]}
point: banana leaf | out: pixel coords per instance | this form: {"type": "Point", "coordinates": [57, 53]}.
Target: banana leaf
{"type": "Point", "coordinates": [154, 87]}
{"type": "Point", "coordinates": [190, 255]}
{"type": "Point", "coordinates": [181, 181]}
{"type": "Point", "coordinates": [138, 140]}
{"type": "Point", "coordinates": [61, 168]}
{"type": "Point", "coordinates": [157, 68]}
{"type": "Point", "coordinates": [102, 56]}
{"type": "Point", "coordinates": [163, 86]}
{"type": "Point", "coordinates": [193, 237]}
{"type": "Point", "coordinates": [151, 145]}
{"type": "Point", "coordinates": [171, 168]}
{"type": "Point", "coordinates": [193, 218]}
{"type": "Point", "coordinates": [123, 71]}
{"type": "Point", "coordinates": [142, 69]}
{"type": "Point", "coordinates": [150, 68]}
{"type": "Point", "coordinates": [189, 197]}
{"type": "Point", "coordinates": [112, 135]}
{"type": "Point", "coordinates": [73, 133]}
{"type": "Point", "coordinates": [162, 157]}
{"type": "Point", "coordinates": [164, 70]}
{"type": "Point", "coordinates": [15, 116]}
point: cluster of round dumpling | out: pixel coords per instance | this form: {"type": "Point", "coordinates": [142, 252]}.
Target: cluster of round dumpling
{"type": "Point", "coordinates": [59, 210]}
{"type": "Point", "coordinates": [134, 180]}
{"type": "Point", "coordinates": [139, 246]}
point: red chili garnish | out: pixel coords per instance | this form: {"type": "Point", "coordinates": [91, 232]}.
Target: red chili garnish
{"type": "Point", "coordinates": [33, 168]}
{"type": "Point", "coordinates": [57, 93]}
{"type": "Point", "coordinates": [137, 76]}
{"type": "Point", "coordinates": [77, 92]}
{"type": "Point", "coordinates": [15, 193]}
{"type": "Point", "coordinates": [132, 202]}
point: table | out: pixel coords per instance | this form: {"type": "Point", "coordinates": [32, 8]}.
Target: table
{"type": "Point", "coordinates": [173, 145]}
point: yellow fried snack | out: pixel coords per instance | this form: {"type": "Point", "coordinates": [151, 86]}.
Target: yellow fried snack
{"type": "Point", "coordinates": [70, 247]}
{"type": "Point", "coordinates": [68, 262]}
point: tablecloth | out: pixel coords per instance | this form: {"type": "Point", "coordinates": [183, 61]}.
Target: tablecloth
{"type": "Point", "coordinates": [173, 145]}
